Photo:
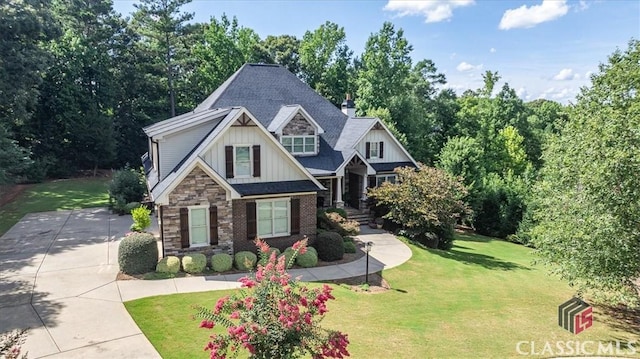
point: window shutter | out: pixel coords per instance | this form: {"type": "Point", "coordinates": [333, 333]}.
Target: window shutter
{"type": "Point", "coordinates": [372, 181]}
{"type": "Point", "coordinates": [213, 225]}
{"type": "Point", "coordinates": [295, 215]}
{"type": "Point", "coordinates": [184, 227]}
{"type": "Point", "coordinates": [381, 150]}
{"type": "Point", "coordinates": [228, 157]}
{"type": "Point", "coordinates": [367, 150]}
{"type": "Point", "coordinates": [256, 161]}
{"type": "Point", "coordinates": [252, 223]}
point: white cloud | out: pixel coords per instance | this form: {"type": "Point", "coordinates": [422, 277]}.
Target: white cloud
{"type": "Point", "coordinates": [562, 95]}
{"type": "Point", "coordinates": [492, 50]}
{"type": "Point", "coordinates": [453, 56]}
{"type": "Point", "coordinates": [566, 74]}
{"type": "Point", "coordinates": [465, 66]}
{"type": "Point", "coordinates": [432, 10]}
{"type": "Point", "coordinates": [583, 5]}
{"type": "Point", "coordinates": [523, 94]}
{"type": "Point", "coordinates": [587, 75]}
{"type": "Point", "coordinates": [526, 17]}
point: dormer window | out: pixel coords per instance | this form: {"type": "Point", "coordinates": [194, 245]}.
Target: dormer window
{"type": "Point", "coordinates": [299, 145]}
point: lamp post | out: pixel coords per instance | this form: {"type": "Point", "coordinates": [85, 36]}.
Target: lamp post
{"type": "Point", "coordinates": [367, 249]}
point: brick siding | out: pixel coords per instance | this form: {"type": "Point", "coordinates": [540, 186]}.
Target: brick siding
{"type": "Point", "coordinates": [307, 225]}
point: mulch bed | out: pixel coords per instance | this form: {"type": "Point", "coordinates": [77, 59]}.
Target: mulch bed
{"type": "Point", "coordinates": [377, 284]}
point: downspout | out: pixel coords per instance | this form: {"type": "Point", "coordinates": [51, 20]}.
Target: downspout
{"type": "Point", "coordinates": [160, 214]}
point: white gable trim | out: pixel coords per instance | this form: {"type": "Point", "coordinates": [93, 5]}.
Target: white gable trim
{"type": "Point", "coordinates": [404, 150]}
{"type": "Point", "coordinates": [163, 198]}
{"type": "Point", "coordinates": [183, 122]}
{"type": "Point", "coordinates": [294, 112]}
{"type": "Point", "coordinates": [340, 170]}
{"type": "Point", "coordinates": [226, 124]}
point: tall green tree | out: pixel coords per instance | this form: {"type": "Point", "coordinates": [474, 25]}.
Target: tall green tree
{"type": "Point", "coordinates": [587, 205]}
{"type": "Point", "coordinates": [73, 128]}
{"type": "Point", "coordinates": [164, 28]}
{"type": "Point", "coordinates": [14, 159]}
{"type": "Point", "coordinates": [226, 46]}
{"type": "Point", "coordinates": [384, 69]}
{"type": "Point", "coordinates": [26, 28]}
{"type": "Point", "coordinates": [325, 61]}
{"type": "Point", "coordinates": [283, 50]}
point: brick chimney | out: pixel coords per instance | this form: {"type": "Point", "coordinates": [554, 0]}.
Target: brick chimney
{"type": "Point", "coordinates": [349, 107]}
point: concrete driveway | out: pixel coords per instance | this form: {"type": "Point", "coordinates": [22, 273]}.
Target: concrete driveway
{"type": "Point", "coordinates": [57, 277]}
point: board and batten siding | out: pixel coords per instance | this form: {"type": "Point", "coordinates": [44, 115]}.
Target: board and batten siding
{"type": "Point", "coordinates": [392, 152]}
{"type": "Point", "coordinates": [274, 164]}
{"type": "Point", "coordinates": [175, 147]}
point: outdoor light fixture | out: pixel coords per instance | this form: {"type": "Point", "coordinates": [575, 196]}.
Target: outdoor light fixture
{"type": "Point", "coordinates": [367, 249]}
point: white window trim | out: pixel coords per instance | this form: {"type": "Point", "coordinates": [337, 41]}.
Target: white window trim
{"type": "Point", "coordinates": [377, 145]}
{"type": "Point", "coordinates": [315, 144]}
{"type": "Point", "coordinates": [235, 165]}
{"type": "Point", "coordinates": [386, 178]}
{"type": "Point", "coordinates": [273, 235]}
{"type": "Point", "coordinates": [207, 226]}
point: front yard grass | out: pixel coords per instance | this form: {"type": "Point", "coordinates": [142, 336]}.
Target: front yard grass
{"type": "Point", "coordinates": [477, 300]}
{"type": "Point", "coordinates": [55, 195]}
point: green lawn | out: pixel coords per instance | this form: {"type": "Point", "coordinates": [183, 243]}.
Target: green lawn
{"type": "Point", "coordinates": [55, 195]}
{"type": "Point", "coordinates": [478, 300]}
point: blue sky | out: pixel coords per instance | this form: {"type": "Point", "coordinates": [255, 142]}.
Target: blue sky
{"type": "Point", "coordinates": [543, 49]}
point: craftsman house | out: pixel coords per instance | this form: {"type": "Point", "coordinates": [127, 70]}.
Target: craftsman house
{"type": "Point", "coordinates": [257, 158]}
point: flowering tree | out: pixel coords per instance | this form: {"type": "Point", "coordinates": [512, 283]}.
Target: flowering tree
{"type": "Point", "coordinates": [275, 316]}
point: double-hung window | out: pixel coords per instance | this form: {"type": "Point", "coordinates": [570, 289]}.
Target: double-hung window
{"type": "Point", "coordinates": [242, 161]}
{"type": "Point", "coordinates": [199, 225]}
{"type": "Point", "coordinates": [299, 144]}
{"type": "Point", "coordinates": [374, 150]}
{"type": "Point", "coordinates": [273, 218]}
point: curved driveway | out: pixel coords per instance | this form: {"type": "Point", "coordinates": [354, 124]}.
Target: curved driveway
{"type": "Point", "coordinates": [57, 277]}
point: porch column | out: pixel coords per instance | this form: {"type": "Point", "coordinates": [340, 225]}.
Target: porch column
{"type": "Point", "coordinates": [339, 203]}
{"type": "Point", "coordinates": [365, 182]}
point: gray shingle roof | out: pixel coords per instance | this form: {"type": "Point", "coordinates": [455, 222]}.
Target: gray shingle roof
{"type": "Point", "coordinates": [390, 166]}
{"type": "Point", "coordinates": [353, 130]}
{"type": "Point", "coordinates": [264, 89]}
{"type": "Point", "coordinates": [250, 189]}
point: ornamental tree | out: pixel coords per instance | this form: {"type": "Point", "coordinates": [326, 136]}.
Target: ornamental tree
{"type": "Point", "coordinates": [427, 202]}
{"type": "Point", "coordinates": [274, 316]}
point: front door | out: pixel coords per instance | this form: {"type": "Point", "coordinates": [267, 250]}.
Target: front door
{"type": "Point", "coordinates": [355, 185]}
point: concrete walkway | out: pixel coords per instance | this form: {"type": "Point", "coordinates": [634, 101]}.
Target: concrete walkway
{"type": "Point", "coordinates": [57, 277]}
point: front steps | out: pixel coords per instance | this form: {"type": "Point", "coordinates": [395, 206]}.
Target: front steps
{"type": "Point", "coordinates": [361, 216]}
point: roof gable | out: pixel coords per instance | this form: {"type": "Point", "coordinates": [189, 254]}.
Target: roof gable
{"type": "Point", "coordinates": [286, 114]}
{"type": "Point", "coordinates": [183, 122]}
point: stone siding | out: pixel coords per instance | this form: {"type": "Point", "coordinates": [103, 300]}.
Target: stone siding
{"type": "Point", "coordinates": [298, 126]}
{"type": "Point", "coordinates": [307, 225]}
{"type": "Point", "coordinates": [197, 189]}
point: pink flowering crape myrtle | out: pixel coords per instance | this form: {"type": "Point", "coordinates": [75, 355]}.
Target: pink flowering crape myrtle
{"type": "Point", "coordinates": [273, 316]}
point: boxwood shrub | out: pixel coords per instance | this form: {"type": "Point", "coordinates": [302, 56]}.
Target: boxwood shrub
{"type": "Point", "coordinates": [308, 259]}
{"type": "Point", "coordinates": [349, 247]}
{"type": "Point", "coordinates": [170, 264]}
{"type": "Point", "coordinates": [194, 262]}
{"type": "Point", "coordinates": [245, 260]}
{"type": "Point", "coordinates": [138, 253]}
{"type": "Point", "coordinates": [221, 262]}
{"type": "Point", "coordinates": [330, 246]}
{"type": "Point", "coordinates": [264, 258]}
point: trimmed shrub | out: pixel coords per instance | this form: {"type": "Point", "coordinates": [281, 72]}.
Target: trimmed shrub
{"type": "Point", "coordinates": [347, 239]}
{"type": "Point", "coordinates": [264, 259]}
{"type": "Point", "coordinates": [245, 260]}
{"type": "Point", "coordinates": [349, 247]}
{"type": "Point", "coordinates": [194, 263]}
{"type": "Point", "coordinates": [339, 211]}
{"type": "Point", "coordinates": [170, 264]}
{"type": "Point", "coordinates": [221, 262]}
{"type": "Point", "coordinates": [308, 259]}
{"type": "Point", "coordinates": [126, 186]}
{"type": "Point", "coordinates": [141, 219]}
{"type": "Point", "coordinates": [332, 221]}
{"type": "Point", "coordinates": [330, 246]}
{"type": "Point", "coordinates": [138, 253]}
